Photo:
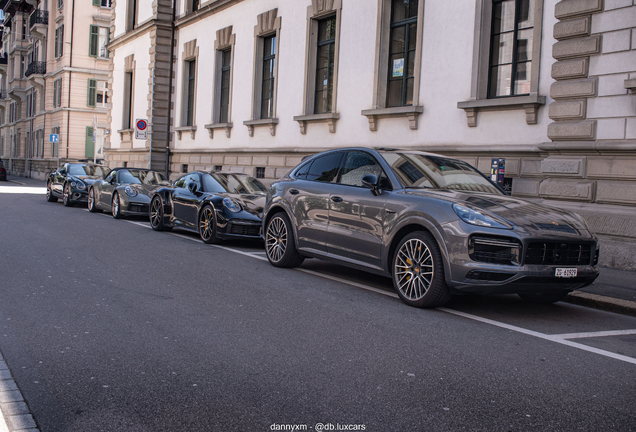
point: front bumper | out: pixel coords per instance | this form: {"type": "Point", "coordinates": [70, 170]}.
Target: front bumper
{"type": "Point", "coordinates": [238, 228]}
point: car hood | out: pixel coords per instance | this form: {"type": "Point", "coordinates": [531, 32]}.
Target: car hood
{"type": "Point", "coordinates": [142, 188]}
{"type": "Point", "coordinates": [520, 213]}
{"type": "Point", "coordinates": [86, 178]}
{"type": "Point", "coordinates": [252, 203]}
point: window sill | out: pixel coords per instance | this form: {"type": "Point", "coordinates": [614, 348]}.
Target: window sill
{"type": "Point", "coordinates": [412, 112]}
{"type": "Point", "coordinates": [226, 126]}
{"type": "Point", "coordinates": [530, 104]}
{"type": "Point", "coordinates": [630, 84]}
{"type": "Point", "coordinates": [330, 118]}
{"type": "Point", "coordinates": [181, 129]}
{"type": "Point", "coordinates": [60, 17]}
{"type": "Point", "coordinates": [271, 122]}
{"type": "Point", "coordinates": [126, 135]}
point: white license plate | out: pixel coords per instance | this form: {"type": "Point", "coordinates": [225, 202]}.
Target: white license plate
{"type": "Point", "coordinates": [565, 272]}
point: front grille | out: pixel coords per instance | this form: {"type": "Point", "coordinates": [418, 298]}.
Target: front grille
{"type": "Point", "coordinates": [558, 253]}
{"type": "Point", "coordinates": [494, 250]}
{"type": "Point", "coordinates": [138, 208]}
{"type": "Point", "coordinates": [247, 230]}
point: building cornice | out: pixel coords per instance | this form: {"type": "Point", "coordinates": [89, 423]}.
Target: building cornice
{"type": "Point", "coordinates": [138, 32]}
{"type": "Point", "coordinates": [212, 7]}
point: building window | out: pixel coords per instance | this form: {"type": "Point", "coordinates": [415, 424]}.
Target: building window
{"type": "Point", "coordinates": [269, 64]}
{"type": "Point", "coordinates": [324, 65]}
{"type": "Point", "coordinates": [57, 93]}
{"type": "Point", "coordinates": [402, 52]}
{"type": "Point", "coordinates": [23, 66]}
{"type": "Point", "coordinates": [511, 48]}
{"type": "Point", "coordinates": [101, 95]}
{"type": "Point", "coordinates": [59, 41]}
{"type": "Point", "coordinates": [131, 15]}
{"type": "Point", "coordinates": [98, 41]}
{"type": "Point", "coordinates": [184, 168]}
{"type": "Point", "coordinates": [128, 100]}
{"type": "Point", "coordinates": [192, 5]}
{"type": "Point", "coordinates": [218, 167]}
{"type": "Point", "coordinates": [191, 88]}
{"type": "Point", "coordinates": [260, 172]}
{"type": "Point", "coordinates": [226, 73]}
{"type": "Point", "coordinates": [102, 3]}
{"type": "Point", "coordinates": [24, 28]}
{"type": "Point", "coordinates": [60, 4]}
{"type": "Point", "coordinates": [55, 146]}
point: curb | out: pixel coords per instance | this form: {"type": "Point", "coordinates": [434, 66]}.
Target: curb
{"type": "Point", "coordinates": [14, 412]}
{"type": "Point", "coordinates": [624, 307]}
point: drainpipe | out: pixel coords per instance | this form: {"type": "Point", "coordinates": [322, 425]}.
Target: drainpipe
{"type": "Point", "coordinates": [68, 115]}
{"type": "Point", "coordinates": [174, 15]}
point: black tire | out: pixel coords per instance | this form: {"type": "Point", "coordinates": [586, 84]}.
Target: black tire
{"type": "Point", "coordinates": [66, 196]}
{"type": "Point", "coordinates": [156, 215]}
{"type": "Point", "coordinates": [544, 298]}
{"type": "Point", "coordinates": [115, 206]}
{"type": "Point", "coordinates": [418, 271]}
{"type": "Point", "coordinates": [92, 206]}
{"type": "Point", "coordinates": [280, 246]}
{"type": "Point", "coordinates": [207, 225]}
{"type": "Point", "coordinates": [49, 193]}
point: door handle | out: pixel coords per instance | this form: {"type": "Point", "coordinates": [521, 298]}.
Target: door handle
{"type": "Point", "coordinates": [293, 191]}
{"type": "Point", "coordinates": [336, 199]}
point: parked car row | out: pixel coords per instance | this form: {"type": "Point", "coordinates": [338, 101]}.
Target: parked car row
{"type": "Point", "coordinates": [434, 224]}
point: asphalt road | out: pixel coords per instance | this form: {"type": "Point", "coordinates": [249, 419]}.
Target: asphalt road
{"type": "Point", "coordinates": [107, 325]}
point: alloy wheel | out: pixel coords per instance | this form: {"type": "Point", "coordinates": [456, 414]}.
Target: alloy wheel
{"type": "Point", "coordinates": [414, 269]}
{"type": "Point", "coordinates": [206, 224]}
{"type": "Point", "coordinates": [155, 213]}
{"type": "Point", "coordinates": [276, 239]}
{"type": "Point", "coordinates": [91, 199]}
{"type": "Point", "coordinates": [66, 198]}
{"type": "Point", "coordinates": [115, 206]}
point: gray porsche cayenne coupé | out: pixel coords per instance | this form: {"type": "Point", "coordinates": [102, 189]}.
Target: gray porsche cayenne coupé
{"type": "Point", "coordinates": [434, 224]}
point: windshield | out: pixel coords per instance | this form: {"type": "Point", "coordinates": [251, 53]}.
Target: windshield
{"type": "Point", "coordinates": [87, 170]}
{"type": "Point", "coordinates": [436, 172]}
{"type": "Point", "coordinates": [232, 183]}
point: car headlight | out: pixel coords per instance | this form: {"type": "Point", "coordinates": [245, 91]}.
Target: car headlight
{"type": "Point", "coordinates": [78, 184]}
{"type": "Point", "coordinates": [130, 191]}
{"type": "Point", "coordinates": [478, 217]}
{"type": "Point", "coordinates": [231, 205]}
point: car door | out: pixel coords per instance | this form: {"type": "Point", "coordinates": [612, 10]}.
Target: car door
{"type": "Point", "coordinates": [309, 199]}
{"type": "Point", "coordinates": [58, 179]}
{"type": "Point", "coordinates": [356, 215]}
{"type": "Point", "coordinates": [185, 202]}
{"type": "Point", "coordinates": [106, 189]}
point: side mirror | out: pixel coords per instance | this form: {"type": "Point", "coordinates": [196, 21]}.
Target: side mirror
{"type": "Point", "coordinates": [113, 180]}
{"type": "Point", "coordinates": [62, 171]}
{"type": "Point", "coordinates": [371, 181]}
{"type": "Point", "coordinates": [192, 187]}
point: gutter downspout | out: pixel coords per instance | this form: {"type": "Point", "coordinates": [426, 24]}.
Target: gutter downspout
{"type": "Point", "coordinates": [172, 40]}
{"type": "Point", "coordinates": [68, 114]}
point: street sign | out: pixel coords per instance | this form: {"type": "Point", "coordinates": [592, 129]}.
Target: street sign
{"type": "Point", "coordinates": [141, 129]}
{"type": "Point", "coordinates": [53, 138]}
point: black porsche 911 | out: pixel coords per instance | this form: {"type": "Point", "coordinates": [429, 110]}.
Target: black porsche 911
{"type": "Point", "coordinates": [216, 205]}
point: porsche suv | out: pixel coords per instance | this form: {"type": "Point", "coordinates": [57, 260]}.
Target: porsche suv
{"type": "Point", "coordinates": [434, 224]}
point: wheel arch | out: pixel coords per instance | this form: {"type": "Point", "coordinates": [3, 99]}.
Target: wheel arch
{"type": "Point", "coordinates": [423, 226]}
{"type": "Point", "coordinates": [280, 207]}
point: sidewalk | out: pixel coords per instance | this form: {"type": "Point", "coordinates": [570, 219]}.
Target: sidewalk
{"type": "Point", "coordinates": [614, 290]}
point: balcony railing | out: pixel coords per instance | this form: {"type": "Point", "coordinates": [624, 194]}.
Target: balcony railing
{"type": "Point", "coordinates": [3, 59]}
{"type": "Point", "coordinates": [36, 68]}
{"type": "Point", "coordinates": [38, 17]}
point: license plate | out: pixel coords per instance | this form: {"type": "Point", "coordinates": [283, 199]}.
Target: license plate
{"type": "Point", "coordinates": [565, 272]}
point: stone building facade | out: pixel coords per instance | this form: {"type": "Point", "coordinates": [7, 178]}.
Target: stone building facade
{"type": "Point", "coordinates": [54, 70]}
{"type": "Point", "coordinates": [253, 86]}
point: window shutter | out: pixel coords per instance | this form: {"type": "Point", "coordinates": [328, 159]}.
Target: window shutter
{"type": "Point", "coordinates": [90, 145]}
{"type": "Point", "coordinates": [62, 39]}
{"type": "Point", "coordinates": [92, 92]}
{"type": "Point", "coordinates": [57, 36]}
{"type": "Point", "coordinates": [97, 2]}
{"type": "Point", "coordinates": [94, 41]}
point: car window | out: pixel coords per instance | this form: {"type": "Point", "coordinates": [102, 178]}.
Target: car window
{"type": "Point", "coordinates": [132, 177]}
{"type": "Point", "coordinates": [357, 165]}
{"type": "Point", "coordinates": [154, 178]}
{"type": "Point", "coordinates": [301, 172]}
{"type": "Point", "coordinates": [325, 168]}
{"type": "Point", "coordinates": [212, 185]}
{"type": "Point", "coordinates": [110, 176]}
{"type": "Point", "coordinates": [193, 178]}
{"type": "Point", "coordinates": [180, 182]}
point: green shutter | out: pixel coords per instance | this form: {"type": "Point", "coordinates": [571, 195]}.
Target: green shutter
{"type": "Point", "coordinates": [92, 93]}
{"type": "Point", "coordinates": [93, 41]}
{"type": "Point", "coordinates": [97, 2]}
{"type": "Point", "coordinates": [90, 145]}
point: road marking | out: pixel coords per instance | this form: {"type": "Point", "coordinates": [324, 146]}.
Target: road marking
{"type": "Point", "coordinates": [551, 338]}
{"type": "Point", "coordinates": [560, 339]}
{"type": "Point", "coordinates": [23, 190]}
{"type": "Point", "coordinates": [595, 334]}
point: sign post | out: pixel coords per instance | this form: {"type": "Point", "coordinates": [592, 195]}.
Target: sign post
{"type": "Point", "coordinates": [141, 129]}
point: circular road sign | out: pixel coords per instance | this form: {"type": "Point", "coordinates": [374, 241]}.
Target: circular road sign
{"type": "Point", "coordinates": [141, 125]}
